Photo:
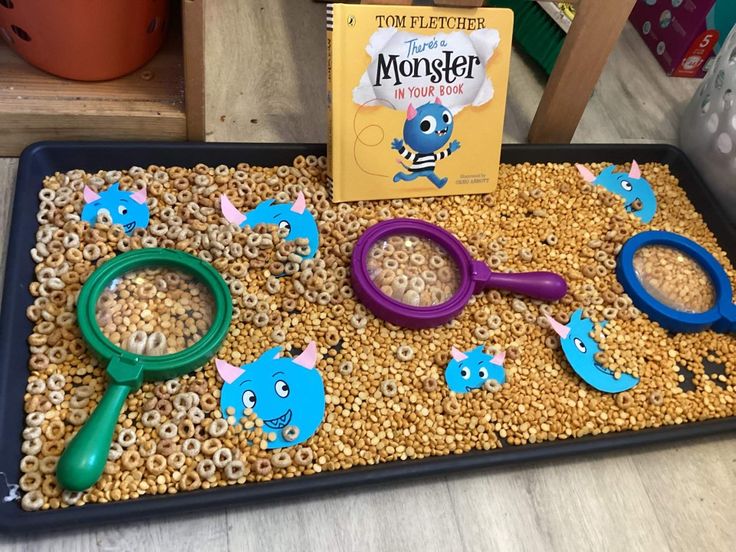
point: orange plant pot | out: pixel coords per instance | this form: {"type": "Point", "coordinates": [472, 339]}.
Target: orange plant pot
{"type": "Point", "coordinates": [87, 40]}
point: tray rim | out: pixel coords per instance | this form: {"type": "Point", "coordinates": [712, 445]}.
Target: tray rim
{"type": "Point", "coordinates": [14, 520]}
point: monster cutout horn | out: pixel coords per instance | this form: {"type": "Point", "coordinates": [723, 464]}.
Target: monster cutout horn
{"type": "Point", "coordinates": [585, 173]}
{"type": "Point", "coordinates": [635, 171]}
{"type": "Point", "coordinates": [411, 112]}
{"type": "Point", "coordinates": [561, 330]}
{"type": "Point", "coordinates": [90, 195]}
{"type": "Point", "coordinates": [499, 358]}
{"type": "Point", "coordinates": [438, 101]}
{"type": "Point", "coordinates": [457, 354]}
{"type": "Point", "coordinates": [308, 358]}
{"type": "Point", "coordinates": [230, 212]}
{"type": "Point", "coordinates": [227, 371]}
{"type": "Point", "coordinates": [300, 204]}
{"type": "Point", "coordinates": [139, 196]}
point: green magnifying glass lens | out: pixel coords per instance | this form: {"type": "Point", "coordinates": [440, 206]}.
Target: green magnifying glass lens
{"type": "Point", "coordinates": [149, 315]}
{"type": "Point", "coordinates": [155, 311]}
{"type": "Point", "coordinates": [674, 279]}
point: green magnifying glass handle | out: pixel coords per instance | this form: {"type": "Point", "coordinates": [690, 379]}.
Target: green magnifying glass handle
{"type": "Point", "coordinates": [83, 461]}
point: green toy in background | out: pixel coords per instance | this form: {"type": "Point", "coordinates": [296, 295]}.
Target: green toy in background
{"type": "Point", "coordinates": [534, 31]}
{"type": "Point", "coordinates": [150, 314]}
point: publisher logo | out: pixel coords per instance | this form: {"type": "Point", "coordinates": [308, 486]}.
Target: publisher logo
{"type": "Point", "coordinates": [351, 21]}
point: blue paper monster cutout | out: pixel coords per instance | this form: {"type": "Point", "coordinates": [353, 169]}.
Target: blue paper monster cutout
{"type": "Point", "coordinates": [294, 216]}
{"type": "Point", "coordinates": [281, 391]}
{"type": "Point", "coordinates": [426, 130]}
{"type": "Point", "coordinates": [129, 209]}
{"type": "Point", "coordinates": [580, 349]}
{"type": "Point", "coordinates": [470, 370]}
{"type": "Point", "coordinates": [629, 186]}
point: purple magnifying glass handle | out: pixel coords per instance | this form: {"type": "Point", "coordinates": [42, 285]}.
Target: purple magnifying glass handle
{"type": "Point", "coordinates": [461, 275]}
{"type": "Point", "coordinates": [546, 286]}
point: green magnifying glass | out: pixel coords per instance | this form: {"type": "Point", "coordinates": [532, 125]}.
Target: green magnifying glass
{"type": "Point", "coordinates": [150, 314]}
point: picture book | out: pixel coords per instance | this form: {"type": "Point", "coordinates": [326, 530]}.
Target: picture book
{"type": "Point", "coordinates": [416, 99]}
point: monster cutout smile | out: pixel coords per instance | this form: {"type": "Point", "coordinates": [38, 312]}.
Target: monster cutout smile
{"type": "Point", "coordinates": [580, 350]}
{"type": "Point", "coordinates": [282, 392]}
{"type": "Point", "coordinates": [280, 422]}
{"type": "Point", "coordinates": [470, 370]}
{"type": "Point", "coordinates": [295, 217]}
{"type": "Point", "coordinates": [129, 209]}
{"type": "Point", "coordinates": [636, 191]}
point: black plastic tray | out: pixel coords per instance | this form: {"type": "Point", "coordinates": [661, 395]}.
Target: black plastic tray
{"type": "Point", "coordinates": [45, 158]}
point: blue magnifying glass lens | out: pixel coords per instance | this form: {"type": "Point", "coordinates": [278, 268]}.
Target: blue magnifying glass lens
{"type": "Point", "coordinates": [673, 278]}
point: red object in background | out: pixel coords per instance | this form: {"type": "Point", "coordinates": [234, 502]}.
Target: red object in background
{"type": "Point", "coordinates": [699, 52]}
{"type": "Point", "coordinates": [87, 40]}
{"type": "Point", "coordinates": [672, 29]}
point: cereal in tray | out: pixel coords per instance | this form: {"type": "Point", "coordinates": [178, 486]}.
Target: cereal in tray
{"type": "Point", "coordinates": [172, 436]}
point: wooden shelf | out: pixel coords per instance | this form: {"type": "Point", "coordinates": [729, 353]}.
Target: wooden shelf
{"type": "Point", "coordinates": [257, 75]}
{"type": "Point", "coordinates": [148, 104]}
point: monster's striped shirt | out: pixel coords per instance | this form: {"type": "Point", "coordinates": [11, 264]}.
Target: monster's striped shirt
{"type": "Point", "coordinates": [423, 161]}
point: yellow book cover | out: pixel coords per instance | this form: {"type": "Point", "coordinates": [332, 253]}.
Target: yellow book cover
{"type": "Point", "coordinates": [416, 99]}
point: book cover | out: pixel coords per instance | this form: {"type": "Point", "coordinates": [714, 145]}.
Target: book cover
{"type": "Point", "coordinates": [416, 99]}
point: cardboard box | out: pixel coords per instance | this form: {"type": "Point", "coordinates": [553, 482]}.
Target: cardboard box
{"type": "Point", "coordinates": [683, 34]}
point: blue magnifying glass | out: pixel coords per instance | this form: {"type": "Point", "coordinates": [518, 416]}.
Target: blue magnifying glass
{"type": "Point", "coordinates": [676, 282]}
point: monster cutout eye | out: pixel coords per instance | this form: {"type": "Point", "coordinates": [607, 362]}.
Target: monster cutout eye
{"type": "Point", "coordinates": [282, 389]}
{"type": "Point", "coordinates": [122, 210]}
{"type": "Point", "coordinates": [483, 373]}
{"type": "Point", "coordinates": [626, 185]}
{"type": "Point", "coordinates": [465, 373]}
{"type": "Point", "coordinates": [446, 117]}
{"type": "Point", "coordinates": [284, 224]}
{"type": "Point", "coordinates": [579, 344]}
{"type": "Point", "coordinates": [428, 125]}
{"type": "Point", "coordinates": [249, 399]}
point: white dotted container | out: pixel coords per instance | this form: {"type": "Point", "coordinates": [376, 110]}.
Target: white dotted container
{"type": "Point", "coordinates": [708, 127]}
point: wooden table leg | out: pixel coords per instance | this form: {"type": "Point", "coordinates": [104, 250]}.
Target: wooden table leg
{"type": "Point", "coordinates": [593, 34]}
{"type": "Point", "coordinates": [194, 82]}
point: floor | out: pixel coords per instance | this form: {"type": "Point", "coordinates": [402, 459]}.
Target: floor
{"type": "Point", "coordinates": [678, 497]}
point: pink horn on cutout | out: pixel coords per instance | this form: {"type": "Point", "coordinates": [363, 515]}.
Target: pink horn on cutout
{"type": "Point", "coordinates": [227, 371]}
{"type": "Point", "coordinates": [635, 171]}
{"type": "Point", "coordinates": [438, 101]}
{"type": "Point", "coordinates": [90, 195]}
{"type": "Point", "coordinates": [308, 358]}
{"type": "Point", "coordinates": [499, 358]}
{"type": "Point", "coordinates": [230, 212]}
{"type": "Point", "coordinates": [139, 196]}
{"type": "Point", "coordinates": [457, 354]}
{"type": "Point", "coordinates": [300, 204]}
{"type": "Point", "coordinates": [411, 112]}
{"type": "Point", "coordinates": [560, 329]}
{"type": "Point", "coordinates": [585, 173]}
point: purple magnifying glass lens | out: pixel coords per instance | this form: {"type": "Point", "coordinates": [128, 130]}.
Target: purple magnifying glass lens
{"type": "Point", "coordinates": [413, 270]}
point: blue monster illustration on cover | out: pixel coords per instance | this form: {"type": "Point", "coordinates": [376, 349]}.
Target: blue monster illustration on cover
{"type": "Point", "coordinates": [426, 131]}
{"type": "Point", "coordinates": [580, 350]}
{"type": "Point", "coordinates": [129, 209]}
{"type": "Point", "coordinates": [470, 370]}
{"type": "Point", "coordinates": [293, 216]}
{"type": "Point", "coordinates": [636, 191]}
{"type": "Point", "coordinates": [287, 394]}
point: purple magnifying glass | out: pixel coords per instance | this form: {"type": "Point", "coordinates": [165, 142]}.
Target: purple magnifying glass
{"type": "Point", "coordinates": [417, 275]}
